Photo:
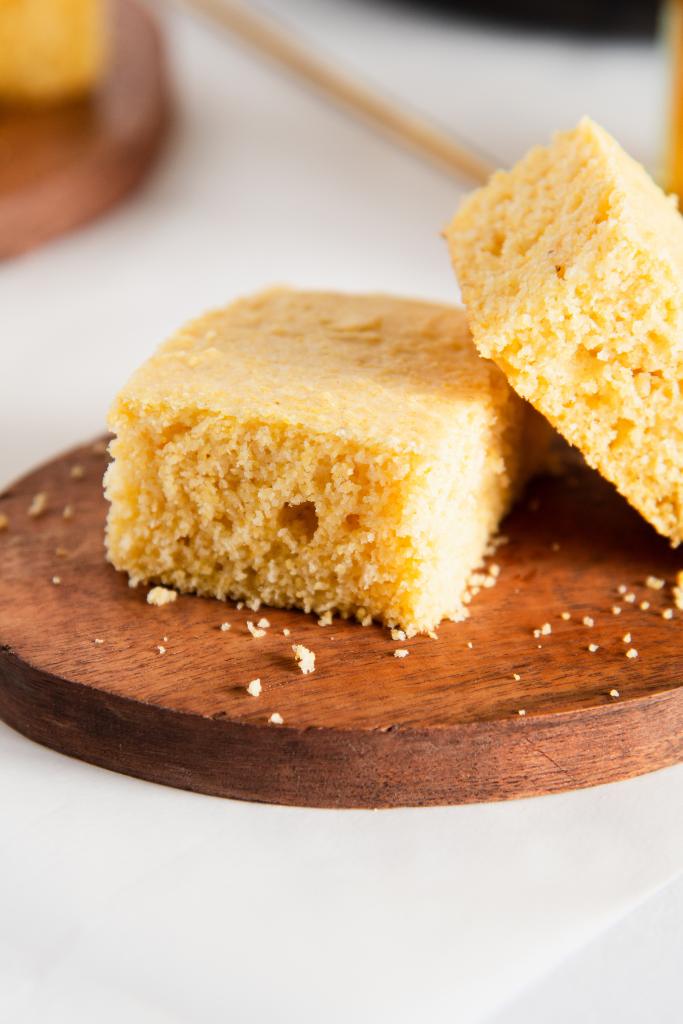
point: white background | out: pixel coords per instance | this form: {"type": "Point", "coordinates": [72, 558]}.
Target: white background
{"type": "Point", "coordinates": [120, 900]}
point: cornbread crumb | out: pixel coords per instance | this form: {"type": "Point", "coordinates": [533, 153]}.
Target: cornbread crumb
{"type": "Point", "coordinates": [632, 653]}
{"type": "Point", "coordinates": [38, 504]}
{"type": "Point", "coordinates": [98, 640]}
{"type": "Point", "coordinates": [256, 631]}
{"type": "Point", "coordinates": [254, 603]}
{"type": "Point", "coordinates": [161, 649]}
{"type": "Point", "coordinates": [626, 638]}
{"type": "Point", "coordinates": [286, 632]}
{"type": "Point", "coordinates": [654, 582]}
{"type": "Point", "coordinates": [621, 589]}
{"type": "Point", "coordinates": [668, 613]}
{"type": "Point", "coordinates": [398, 634]}
{"type": "Point", "coordinates": [522, 711]}
{"type": "Point", "coordinates": [325, 619]}
{"type": "Point", "coordinates": [644, 605]}
{"type": "Point", "coordinates": [254, 688]}
{"type": "Point", "coordinates": [570, 267]}
{"type": "Point", "coordinates": [630, 598]}
{"type": "Point", "coordinates": [614, 694]}
{"type": "Point", "coordinates": [616, 609]}
{"type": "Point", "coordinates": [401, 652]}
{"type": "Point", "coordinates": [276, 718]}
{"type": "Point", "coordinates": [432, 634]}
{"type": "Point", "coordinates": [4, 521]}
{"type": "Point", "coordinates": [225, 626]}
{"type": "Point", "coordinates": [546, 629]}
{"type": "Point", "coordinates": [68, 512]}
{"type": "Point", "coordinates": [566, 616]}
{"type": "Point", "coordinates": [516, 676]}
{"type": "Point", "coordinates": [239, 606]}
{"type": "Point", "coordinates": [263, 624]}
{"type": "Point", "coordinates": [593, 648]}
{"type": "Point", "coordinates": [77, 472]}
{"type": "Point", "coordinates": [160, 596]}
{"type": "Point", "coordinates": [304, 658]}
{"type": "Point", "coordinates": [588, 621]}
{"type": "Point", "coordinates": [56, 580]}
{"type": "Point", "coordinates": [677, 591]}
{"type": "Point", "coordinates": [470, 644]}
{"type": "Point", "coordinates": [360, 466]}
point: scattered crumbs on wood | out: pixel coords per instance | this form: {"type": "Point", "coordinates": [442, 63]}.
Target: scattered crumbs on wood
{"type": "Point", "coordinates": [224, 627]}
{"type": "Point", "coordinates": [304, 658]}
{"type": "Point", "coordinates": [616, 609]}
{"type": "Point", "coordinates": [654, 582]}
{"type": "Point", "coordinates": [644, 605]}
{"type": "Point", "coordinates": [98, 640]}
{"type": "Point", "coordinates": [68, 512]}
{"type": "Point", "coordinates": [521, 711]}
{"type": "Point", "coordinates": [254, 603]}
{"type": "Point", "coordinates": [566, 616]}
{"type": "Point", "coordinates": [256, 631]}
{"type": "Point", "coordinates": [470, 644]}
{"type": "Point", "coordinates": [630, 598]}
{"type": "Point", "coordinates": [254, 688]}
{"type": "Point", "coordinates": [286, 632]}
{"type": "Point", "coordinates": [614, 694]}
{"type": "Point", "coordinates": [239, 606]}
{"type": "Point", "coordinates": [159, 596]}
{"type": "Point", "coordinates": [626, 638]}
{"type": "Point", "coordinates": [38, 504]}
{"type": "Point", "coordinates": [668, 613]}
{"type": "Point", "coordinates": [516, 676]}
{"type": "Point", "coordinates": [56, 580]}
{"type": "Point", "coordinates": [622, 588]}
{"type": "Point", "coordinates": [161, 649]}
{"type": "Point", "coordinates": [589, 621]}
{"type": "Point", "coordinates": [593, 648]}
{"type": "Point", "coordinates": [401, 652]}
{"type": "Point", "coordinates": [398, 634]}
{"type": "Point", "coordinates": [77, 472]}
{"type": "Point", "coordinates": [546, 629]}
{"type": "Point", "coordinates": [263, 624]}
{"type": "Point", "coordinates": [325, 619]}
{"type": "Point", "coordinates": [632, 653]}
{"type": "Point", "coordinates": [276, 718]}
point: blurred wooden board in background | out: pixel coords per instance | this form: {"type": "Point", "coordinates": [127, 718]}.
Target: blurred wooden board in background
{"type": "Point", "coordinates": [64, 165]}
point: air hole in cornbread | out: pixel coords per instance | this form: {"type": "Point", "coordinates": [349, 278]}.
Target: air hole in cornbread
{"type": "Point", "coordinates": [300, 518]}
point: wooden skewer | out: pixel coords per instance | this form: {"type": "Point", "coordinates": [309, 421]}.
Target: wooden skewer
{"type": "Point", "coordinates": [264, 35]}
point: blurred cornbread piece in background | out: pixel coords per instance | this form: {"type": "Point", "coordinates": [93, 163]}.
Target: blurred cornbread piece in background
{"type": "Point", "coordinates": [322, 451]}
{"type": "Point", "coordinates": [50, 50]}
{"type": "Point", "coordinates": [571, 271]}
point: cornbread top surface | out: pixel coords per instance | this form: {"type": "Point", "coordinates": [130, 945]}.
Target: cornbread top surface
{"type": "Point", "coordinates": [389, 371]}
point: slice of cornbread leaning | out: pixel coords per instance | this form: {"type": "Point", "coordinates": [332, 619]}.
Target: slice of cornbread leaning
{"type": "Point", "coordinates": [323, 451]}
{"type": "Point", "coordinates": [571, 270]}
{"type": "Point", "coordinates": [50, 50]}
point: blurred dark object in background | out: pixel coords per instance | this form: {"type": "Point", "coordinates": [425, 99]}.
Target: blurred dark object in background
{"type": "Point", "coordinates": [600, 17]}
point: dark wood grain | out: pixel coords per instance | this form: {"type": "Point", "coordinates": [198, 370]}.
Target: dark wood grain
{"type": "Point", "coordinates": [61, 166]}
{"type": "Point", "coordinates": [366, 729]}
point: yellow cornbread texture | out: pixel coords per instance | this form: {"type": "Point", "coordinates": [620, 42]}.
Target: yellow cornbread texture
{"type": "Point", "coordinates": [322, 451]}
{"type": "Point", "coordinates": [50, 50]}
{"type": "Point", "coordinates": [571, 270]}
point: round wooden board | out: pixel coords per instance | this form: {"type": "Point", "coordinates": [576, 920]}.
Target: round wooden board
{"type": "Point", "coordinates": [63, 165]}
{"type": "Point", "coordinates": [366, 729]}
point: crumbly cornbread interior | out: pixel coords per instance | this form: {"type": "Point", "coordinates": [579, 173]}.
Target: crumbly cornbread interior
{"type": "Point", "coordinates": [317, 450]}
{"type": "Point", "coordinates": [571, 271]}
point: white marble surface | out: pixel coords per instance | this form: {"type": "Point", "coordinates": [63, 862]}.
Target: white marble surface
{"type": "Point", "coordinates": [120, 900]}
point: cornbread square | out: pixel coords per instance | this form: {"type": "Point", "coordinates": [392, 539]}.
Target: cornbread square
{"type": "Point", "coordinates": [571, 270]}
{"type": "Point", "coordinates": [328, 452]}
{"type": "Point", "coordinates": [50, 50]}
